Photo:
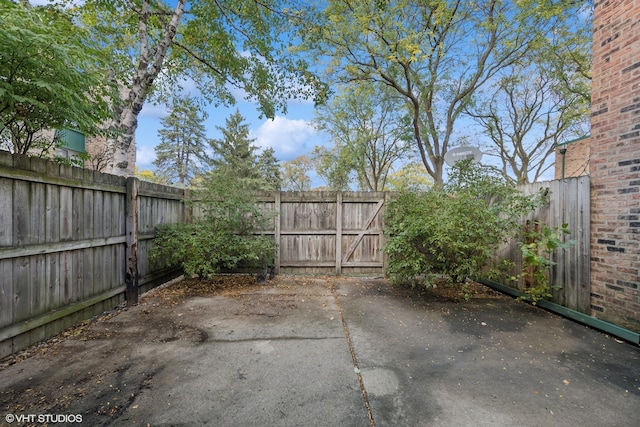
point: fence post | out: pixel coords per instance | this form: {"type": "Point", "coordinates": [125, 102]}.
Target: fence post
{"type": "Point", "coordinates": [187, 210]}
{"type": "Point", "coordinates": [276, 232]}
{"type": "Point", "coordinates": [131, 224]}
{"type": "Point", "coordinates": [338, 233]}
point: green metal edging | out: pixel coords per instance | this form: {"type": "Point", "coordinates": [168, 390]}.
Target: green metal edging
{"type": "Point", "coordinates": [601, 325]}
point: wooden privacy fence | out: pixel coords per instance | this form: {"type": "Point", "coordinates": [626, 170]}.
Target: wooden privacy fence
{"type": "Point", "coordinates": [569, 202]}
{"type": "Point", "coordinates": [327, 232]}
{"type": "Point", "coordinates": [72, 241]}
{"type": "Point", "coordinates": [75, 242]}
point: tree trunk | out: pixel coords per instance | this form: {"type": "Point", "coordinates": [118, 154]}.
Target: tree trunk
{"type": "Point", "coordinates": [150, 62]}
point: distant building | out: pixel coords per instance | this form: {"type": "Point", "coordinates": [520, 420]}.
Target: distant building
{"type": "Point", "coordinates": [72, 144]}
{"type": "Point", "coordinates": [572, 158]}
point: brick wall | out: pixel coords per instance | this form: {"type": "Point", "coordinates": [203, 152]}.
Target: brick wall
{"type": "Point", "coordinates": [615, 163]}
{"type": "Point", "coordinates": [575, 160]}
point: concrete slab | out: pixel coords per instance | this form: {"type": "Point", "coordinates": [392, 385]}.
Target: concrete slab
{"type": "Point", "coordinates": [296, 352]}
{"type": "Point", "coordinates": [486, 362]}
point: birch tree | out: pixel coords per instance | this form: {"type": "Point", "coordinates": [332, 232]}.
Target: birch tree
{"type": "Point", "coordinates": [218, 46]}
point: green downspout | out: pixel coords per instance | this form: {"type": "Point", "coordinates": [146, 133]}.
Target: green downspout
{"type": "Point", "coordinates": [610, 328]}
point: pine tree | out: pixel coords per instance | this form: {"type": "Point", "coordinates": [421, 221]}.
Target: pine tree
{"type": "Point", "coordinates": [235, 157]}
{"type": "Point", "coordinates": [181, 153]}
{"type": "Point", "coordinates": [269, 170]}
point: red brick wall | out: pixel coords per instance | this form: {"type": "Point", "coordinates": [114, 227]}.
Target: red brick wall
{"type": "Point", "coordinates": [615, 163]}
{"type": "Point", "coordinates": [574, 161]}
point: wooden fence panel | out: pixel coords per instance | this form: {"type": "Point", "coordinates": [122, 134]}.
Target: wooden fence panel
{"type": "Point", "coordinates": [158, 204]}
{"type": "Point", "coordinates": [63, 245]}
{"type": "Point", "coordinates": [65, 250]}
{"type": "Point", "coordinates": [569, 202]}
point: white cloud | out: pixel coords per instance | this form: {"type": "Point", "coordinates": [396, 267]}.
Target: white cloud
{"type": "Point", "coordinates": [154, 110]}
{"type": "Point", "coordinates": [286, 136]}
{"type": "Point", "coordinates": [145, 155]}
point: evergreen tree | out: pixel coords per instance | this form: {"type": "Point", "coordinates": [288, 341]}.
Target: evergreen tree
{"type": "Point", "coordinates": [269, 170]}
{"type": "Point", "coordinates": [235, 157]}
{"type": "Point", "coordinates": [181, 152]}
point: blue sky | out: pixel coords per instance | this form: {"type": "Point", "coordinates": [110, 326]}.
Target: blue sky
{"type": "Point", "coordinates": [290, 134]}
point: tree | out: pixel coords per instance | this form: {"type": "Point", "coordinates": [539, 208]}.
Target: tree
{"type": "Point", "coordinates": [435, 54]}
{"type": "Point", "coordinates": [567, 53]}
{"type": "Point", "coordinates": [539, 102]}
{"type": "Point", "coordinates": [367, 126]}
{"type": "Point", "coordinates": [525, 117]}
{"type": "Point", "coordinates": [235, 156]}
{"type": "Point", "coordinates": [181, 152]}
{"type": "Point", "coordinates": [295, 174]}
{"type": "Point", "coordinates": [149, 175]}
{"type": "Point", "coordinates": [410, 177]}
{"type": "Point", "coordinates": [48, 78]}
{"type": "Point", "coordinates": [218, 45]}
{"type": "Point", "coordinates": [334, 166]}
{"type": "Point", "coordinates": [269, 170]}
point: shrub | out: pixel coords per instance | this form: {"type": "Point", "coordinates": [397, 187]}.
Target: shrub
{"type": "Point", "coordinates": [539, 243]}
{"type": "Point", "coordinates": [451, 232]}
{"type": "Point", "coordinates": [223, 236]}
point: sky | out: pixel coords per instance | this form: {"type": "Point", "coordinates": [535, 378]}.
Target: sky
{"type": "Point", "coordinates": [290, 134]}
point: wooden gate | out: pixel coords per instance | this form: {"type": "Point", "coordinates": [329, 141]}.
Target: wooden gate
{"type": "Point", "coordinates": [328, 232]}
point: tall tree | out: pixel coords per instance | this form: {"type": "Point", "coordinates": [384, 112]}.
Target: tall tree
{"type": "Point", "coordinates": [181, 153]}
{"type": "Point", "coordinates": [525, 117]}
{"type": "Point", "coordinates": [218, 45]}
{"type": "Point", "coordinates": [434, 53]}
{"type": "Point", "coordinates": [334, 166]}
{"type": "Point", "coordinates": [367, 124]}
{"type": "Point", "coordinates": [539, 101]}
{"type": "Point", "coordinates": [234, 154]}
{"type": "Point", "coordinates": [269, 169]}
{"type": "Point", "coordinates": [235, 157]}
{"type": "Point", "coordinates": [48, 78]}
{"type": "Point", "coordinates": [295, 175]}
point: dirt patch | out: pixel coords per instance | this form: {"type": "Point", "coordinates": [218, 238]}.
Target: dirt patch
{"type": "Point", "coordinates": [173, 294]}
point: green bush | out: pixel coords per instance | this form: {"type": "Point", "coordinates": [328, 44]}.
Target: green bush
{"type": "Point", "coordinates": [539, 243]}
{"type": "Point", "coordinates": [451, 232]}
{"type": "Point", "coordinates": [223, 236]}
